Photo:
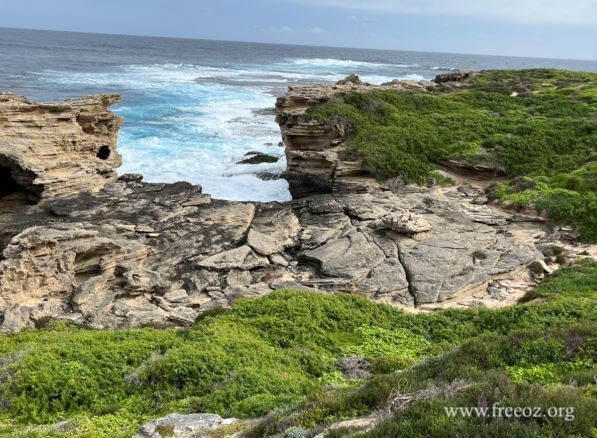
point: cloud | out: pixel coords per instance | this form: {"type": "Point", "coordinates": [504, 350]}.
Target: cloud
{"type": "Point", "coordinates": [316, 30]}
{"type": "Point", "coordinates": [358, 19]}
{"type": "Point", "coordinates": [273, 29]}
{"type": "Point", "coordinates": [564, 12]}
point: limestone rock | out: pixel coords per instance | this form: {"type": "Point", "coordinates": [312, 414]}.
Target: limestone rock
{"type": "Point", "coordinates": [318, 159]}
{"type": "Point", "coordinates": [456, 76]}
{"type": "Point", "coordinates": [132, 254]}
{"type": "Point", "coordinates": [352, 256]}
{"type": "Point", "coordinates": [237, 278]}
{"type": "Point", "coordinates": [406, 222]}
{"type": "Point", "coordinates": [184, 425]}
{"type": "Point", "coordinates": [263, 244]}
{"type": "Point", "coordinates": [242, 257]}
{"type": "Point", "coordinates": [351, 79]}
{"type": "Point", "coordinates": [50, 150]}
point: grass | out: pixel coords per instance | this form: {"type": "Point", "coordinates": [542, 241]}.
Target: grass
{"type": "Point", "coordinates": [281, 352]}
{"type": "Point", "coordinates": [547, 134]}
{"type": "Point", "coordinates": [511, 362]}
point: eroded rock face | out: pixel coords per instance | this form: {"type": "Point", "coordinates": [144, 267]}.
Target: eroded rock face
{"type": "Point", "coordinates": [56, 149]}
{"type": "Point", "coordinates": [317, 155]}
{"type": "Point", "coordinates": [133, 254]}
{"type": "Point", "coordinates": [161, 254]}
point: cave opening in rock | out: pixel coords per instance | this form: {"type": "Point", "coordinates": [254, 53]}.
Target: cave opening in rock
{"type": "Point", "coordinates": [8, 185]}
{"type": "Point", "coordinates": [104, 152]}
{"type": "Point", "coordinates": [16, 183]}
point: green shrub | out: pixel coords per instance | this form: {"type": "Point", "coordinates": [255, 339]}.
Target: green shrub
{"type": "Point", "coordinates": [550, 132]}
{"type": "Point", "coordinates": [281, 350]}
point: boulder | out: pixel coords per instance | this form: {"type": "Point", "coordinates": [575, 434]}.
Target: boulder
{"type": "Point", "coordinates": [405, 222]}
{"type": "Point", "coordinates": [351, 79]}
{"type": "Point", "coordinates": [259, 158]}
{"type": "Point", "coordinates": [179, 425]}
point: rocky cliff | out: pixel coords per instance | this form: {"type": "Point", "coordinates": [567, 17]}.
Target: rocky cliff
{"type": "Point", "coordinates": [318, 158]}
{"type": "Point", "coordinates": [56, 149]}
{"type": "Point", "coordinates": [124, 253]}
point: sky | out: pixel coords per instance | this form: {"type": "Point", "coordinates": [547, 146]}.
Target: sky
{"type": "Point", "coordinates": [535, 28]}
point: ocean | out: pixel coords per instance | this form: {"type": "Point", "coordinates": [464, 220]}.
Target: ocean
{"type": "Point", "coordinates": [194, 108]}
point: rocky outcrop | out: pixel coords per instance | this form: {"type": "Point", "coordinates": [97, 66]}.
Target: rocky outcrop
{"type": "Point", "coordinates": [134, 254]}
{"type": "Point", "coordinates": [317, 155]}
{"type": "Point", "coordinates": [139, 254]}
{"type": "Point", "coordinates": [56, 149]}
{"type": "Point", "coordinates": [455, 76]}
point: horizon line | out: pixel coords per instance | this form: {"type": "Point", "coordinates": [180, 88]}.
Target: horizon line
{"type": "Point", "coordinates": [295, 44]}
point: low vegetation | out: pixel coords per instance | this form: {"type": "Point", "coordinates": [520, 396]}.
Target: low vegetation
{"type": "Point", "coordinates": [302, 361]}
{"type": "Point", "coordinates": [280, 354]}
{"type": "Point", "coordinates": [538, 126]}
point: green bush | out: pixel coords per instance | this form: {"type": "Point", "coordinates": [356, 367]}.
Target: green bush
{"type": "Point", "coordinates": [282, 349]}
{"type": "Point", "coordinates": [549, 131]}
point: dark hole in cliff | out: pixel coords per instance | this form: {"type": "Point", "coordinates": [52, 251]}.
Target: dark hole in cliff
{"type": "Point", "coordinates": [16, 184]}
{"type": "Point", "coordinates": [104, 153]}
{"type": "Point", "coordinates": [8, 185]}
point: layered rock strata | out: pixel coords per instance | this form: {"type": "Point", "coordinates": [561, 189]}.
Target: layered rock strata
{"type": "Point", "coordinates": [134, 254]}
{"type": "Point", "coordinates": [318, 159]}
{"type": "Point", "coordinates": [56, 149]}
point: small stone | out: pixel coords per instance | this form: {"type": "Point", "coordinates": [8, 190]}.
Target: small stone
{"type": "Point", "coordinates": [183, 315]}
{"type": "Point", "coordinates": [144, 229]}
{"type": "Point", "coordinates": [130, 177]}
{"type": "Point", "coordinates": [237, 278]}
{"type": "Point", "coordinates": [216, 294]}
{"type": "Point", "coordinates": [262, 243]}
{"type": "Point", "coordinates": [176, 296]}
{"type": "Point", "coordinates": [277, 259]}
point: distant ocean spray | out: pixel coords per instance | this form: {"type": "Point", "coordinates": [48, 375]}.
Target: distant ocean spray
{"type": "Point", "coordinates": [194, 108]}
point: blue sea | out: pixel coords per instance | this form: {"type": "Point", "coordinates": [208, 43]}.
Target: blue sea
{"type": "Point", "coordinates": [194, 108]}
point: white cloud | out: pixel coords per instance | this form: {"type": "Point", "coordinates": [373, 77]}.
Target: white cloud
{"type": "Point", "coordinates": [273, 29]}
{"type": "Point", "coordinates": [358, 19]}
{"type": "Point", "coordinates": [527, 11]}
{"type": "Point", "coordinates": [316, 30]}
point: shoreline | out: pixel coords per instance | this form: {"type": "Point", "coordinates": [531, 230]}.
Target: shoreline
{"type": "Point", "coordinates": [132, 253]}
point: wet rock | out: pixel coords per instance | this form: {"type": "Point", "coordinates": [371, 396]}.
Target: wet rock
{"type": "Point", "coordinates": [130, 177]}
{"type": "Point", "coordinates": [259, 158]}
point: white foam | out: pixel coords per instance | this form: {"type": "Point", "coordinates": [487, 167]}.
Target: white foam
{"type": "Point", "coordinates": [332, 62]}
{"type": "Point", "coordinates": [195, 122]}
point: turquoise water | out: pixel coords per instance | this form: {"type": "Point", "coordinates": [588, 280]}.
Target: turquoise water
{"type": "Point", "coordinates": [194, 108]}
